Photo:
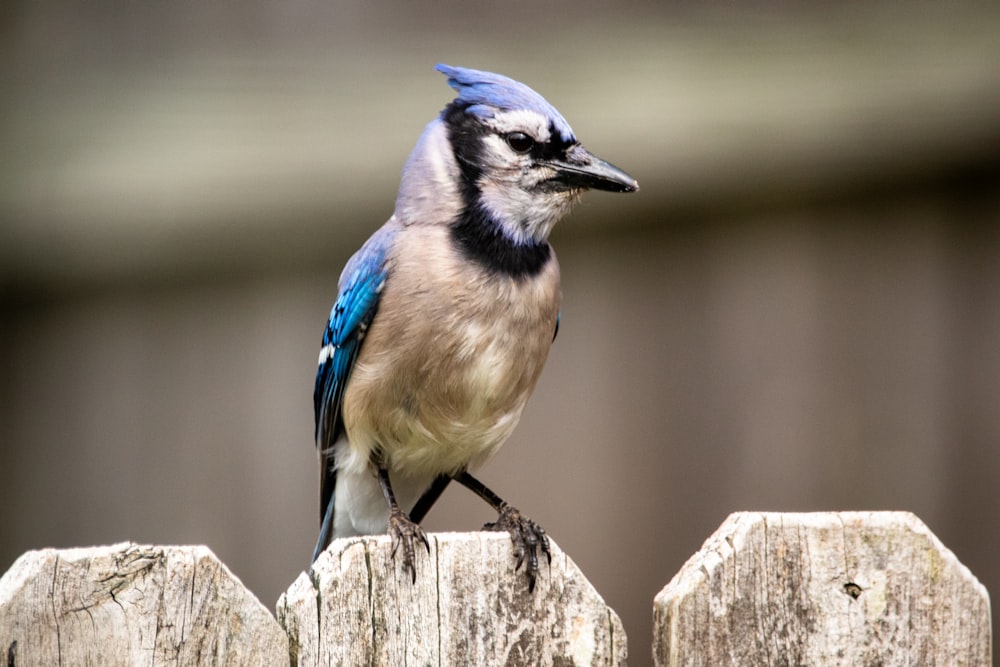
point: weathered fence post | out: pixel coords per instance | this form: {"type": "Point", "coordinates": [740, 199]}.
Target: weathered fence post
{"type": "Point", "coordinates": [128, 604]}
{"type": "Point", "coordinates": [467, 607]}
{"type": "Point", "coordinates": [837, 588]}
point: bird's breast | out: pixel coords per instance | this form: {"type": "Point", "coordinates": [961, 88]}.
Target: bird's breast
{"type": "Point", "coordinates": [450, 359]}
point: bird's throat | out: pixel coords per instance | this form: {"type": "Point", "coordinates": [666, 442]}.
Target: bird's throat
{"type": "Point", "coordinates": [482, 239]}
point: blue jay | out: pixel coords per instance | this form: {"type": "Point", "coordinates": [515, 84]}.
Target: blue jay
{"type": "Point", "coordinates": [445, 316]}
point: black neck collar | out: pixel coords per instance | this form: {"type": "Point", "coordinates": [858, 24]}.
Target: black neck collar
{"type": "Point", "coordinates": [476, 234]}
{"type": "Point", "coordinates": [481, 239]}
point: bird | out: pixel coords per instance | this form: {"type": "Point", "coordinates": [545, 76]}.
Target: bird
{"type": "Point", "coordinates": [444, 317]}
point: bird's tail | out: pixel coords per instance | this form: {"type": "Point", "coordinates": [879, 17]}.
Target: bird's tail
{"type": "Point", "coordinates": [325, 530]}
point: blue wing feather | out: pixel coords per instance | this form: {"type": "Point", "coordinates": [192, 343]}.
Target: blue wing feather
{"type": "Point", "coordinates": [360, 287]}
{"type": "Point", "coordinates": [352, 313]}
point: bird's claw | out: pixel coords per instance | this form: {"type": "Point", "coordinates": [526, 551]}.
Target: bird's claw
{"type": "Point", "coordinates": [406, 533]}
{"type": "Point", "coordinates": [527, 537]}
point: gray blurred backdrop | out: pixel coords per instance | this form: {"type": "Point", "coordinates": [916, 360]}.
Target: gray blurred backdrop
{"type": "Point", "coordinates": [799, 311]}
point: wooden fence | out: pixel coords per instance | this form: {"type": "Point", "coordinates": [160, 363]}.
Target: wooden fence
{"type": "Point", "coordinates": [845, 588]}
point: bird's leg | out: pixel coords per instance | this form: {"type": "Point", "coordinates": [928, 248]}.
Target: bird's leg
{"type": "Point", "coordinates": [430, 497]}
{"type": "Point", "coordinates": [404, 532]}
{"type": "Point", "coordinates": [527, 535]}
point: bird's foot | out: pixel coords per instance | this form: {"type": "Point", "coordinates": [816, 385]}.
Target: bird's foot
{"type": "Point", "coordinates": [405, 533]}
{"type": "Point", "coordinates": [527, 537]}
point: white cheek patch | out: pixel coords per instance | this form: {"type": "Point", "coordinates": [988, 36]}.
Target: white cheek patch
{"type": "Point", "coordinates": [508, 204]}
{"type": "Point", "coordinates": [499, 155]}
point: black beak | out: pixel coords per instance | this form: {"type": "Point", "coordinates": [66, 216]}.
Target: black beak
{"type": "Point", "coordinates": [581, 169]}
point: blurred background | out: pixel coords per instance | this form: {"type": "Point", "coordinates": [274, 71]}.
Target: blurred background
{"type": "Point", "coordinates": [799, 311]}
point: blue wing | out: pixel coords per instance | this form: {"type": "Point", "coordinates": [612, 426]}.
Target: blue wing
{"type": "Point", "coordinates": [360, 287]}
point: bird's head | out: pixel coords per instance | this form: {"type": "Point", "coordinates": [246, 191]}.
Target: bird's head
{"type": "Point", "coordinates": [517, 157]}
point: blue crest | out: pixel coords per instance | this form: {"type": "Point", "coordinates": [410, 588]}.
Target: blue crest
{"type": "Point", "coordinates": [486, 92]}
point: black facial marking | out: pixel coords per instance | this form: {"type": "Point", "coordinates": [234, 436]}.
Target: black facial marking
{"type": "Point", "coordinates": [466, 136]}
{"type": "Point", "coordinates": [482, 240]}
{"type": "Point", "coordinates": [556, 147]}
{"type": "Point", "coordinates": [475, 232]}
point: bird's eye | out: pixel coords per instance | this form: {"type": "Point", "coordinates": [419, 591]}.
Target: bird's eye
{"type": "Point", "coordinates": [520, 142]}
